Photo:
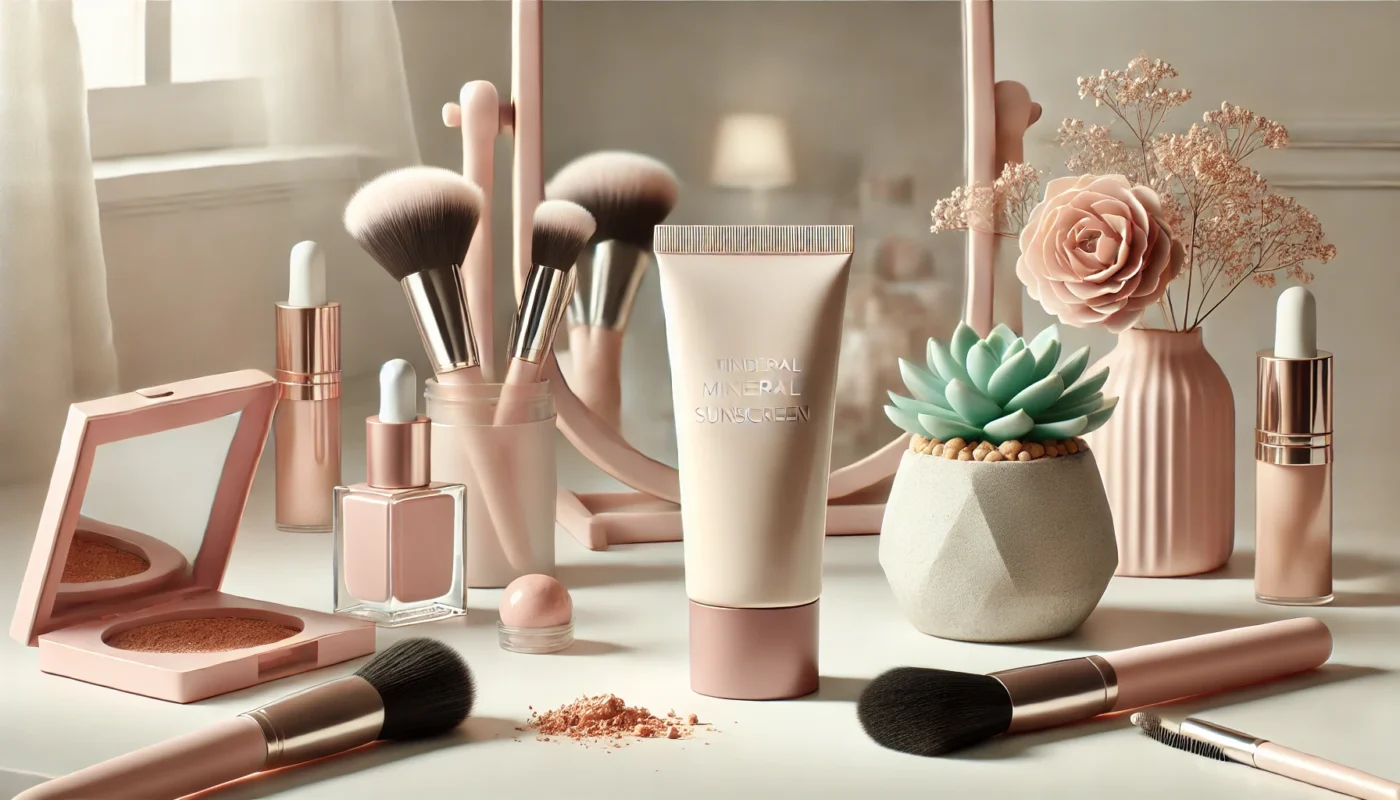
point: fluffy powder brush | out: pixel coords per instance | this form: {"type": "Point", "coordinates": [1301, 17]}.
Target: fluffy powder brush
{"type": "Point", "coordinates": [418, 223]}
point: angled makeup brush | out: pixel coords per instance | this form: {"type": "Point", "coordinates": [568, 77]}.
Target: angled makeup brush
{"type": "Point", "coordinates": [418, 223]}
{"type": "Point", "coordinates": [1223, 744]}
{"type": "Point", "coordinates": [629, 194]}
{"type": "Point", "coordinates": [929, 712]}
{"type": "Point", "coordinates": [478, 114]}
{"type": "Point", "coordinates": [415, 689]}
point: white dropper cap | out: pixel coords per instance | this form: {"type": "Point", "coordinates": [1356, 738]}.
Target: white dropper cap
{"type": "Point", "coordinates": [307, 287]}
{"type": "Point", "coordinates": [398, 392]}
{"type": "Point", "coordinates": [1295, 324]}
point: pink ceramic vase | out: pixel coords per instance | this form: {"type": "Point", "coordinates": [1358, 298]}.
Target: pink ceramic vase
{"type": "Point", "coordinates": [1167, 456]}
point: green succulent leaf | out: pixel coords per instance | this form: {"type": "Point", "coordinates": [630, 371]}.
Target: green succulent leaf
{"type": "Point", "coordinates": [1086, 388]}
{"type": "Point", "coordinates": [1047, 354]}
{"type": "Point", "coordinates": [923, 384]}
{"type": "Point", "coordinates": [1011, 377]}
{"type": "Point", "coordinates": [1060, 430]}
{"type": "Point", "coordinates": [1074, 366]}
{"type": "Point", "coordinates": [973, 406]}
{"type": "Point", "coordinates": [1098, 418]}
{"type": "Point", "coordinates": [1012, 426]}
{"type": "Point", "coordinates": [1038, 396]}
{"type": "Point", "coordinates": [945, 429]}
{"type": "Point", "coordinates": [1001, 338]}
{"type": "Point", "coordinates": [944, 365]}
{"type": "Point", "coordinates": [982, 361]}
{"type": "Point", "coordinates": [1016, 347]}
{"type": "Point", "coordinates": [906, 421]}
{"type": "Point", "coordinates": [964, 337]}
{"type": "Point", "coordinates": [1059, 411]}
{"type": "Point", "coordinates": [920, 407]}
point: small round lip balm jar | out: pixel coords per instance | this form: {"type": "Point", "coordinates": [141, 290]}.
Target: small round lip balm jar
{"type": "Point", "coordinates": [537, 616]}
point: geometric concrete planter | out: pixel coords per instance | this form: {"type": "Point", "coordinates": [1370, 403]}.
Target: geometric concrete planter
{"type": "Point", "coordinates": [998, 552]}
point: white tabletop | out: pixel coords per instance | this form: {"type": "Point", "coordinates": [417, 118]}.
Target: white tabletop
{"type": "Point", "coordinates": [631, 624]}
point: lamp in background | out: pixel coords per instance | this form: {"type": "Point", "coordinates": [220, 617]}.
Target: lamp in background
{"type": "Point", "coordinates": [753, 152]}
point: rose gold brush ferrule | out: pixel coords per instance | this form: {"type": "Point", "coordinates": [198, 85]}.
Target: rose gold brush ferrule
{"type": "Point", "coordinates": [617, 275]}
{"type": "Point", "coordinates": [1293, 480]}
{"type": "Point", "coordinates": [1235, 745]}
{"type": "Point", "coordinates": [542, 306]}
{"type": "Point", "coordinates": [307, 428]}
{"type": "Point", "coordinates": [438, 299]}
{"type": "Point", "coordinates": [321, 721]}
{"type": "Point", "coordinates": [397, 454]}
{"type": "Point", "coordinates": [1060, 692]}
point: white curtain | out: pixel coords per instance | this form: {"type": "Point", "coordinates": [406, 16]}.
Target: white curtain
{"type": "Point", "coordinates": [55, 325]}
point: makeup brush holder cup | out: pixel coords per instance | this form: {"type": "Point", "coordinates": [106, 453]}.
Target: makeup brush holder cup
{"type": "Point", "coordinates": [509, 472]}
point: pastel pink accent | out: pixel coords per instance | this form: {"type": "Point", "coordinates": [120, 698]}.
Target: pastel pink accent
{"type": "Point", "coordinates": [220, 753]}
{"type": "Point", "coordinates": [1293, 531]}
{"type": "Point", "coordinates": [70, 636]}
{"type": "Point", "coordinates": [597, 375]}
{"type": "Point", "coordinates": [754, 653]}
{"type": "Point", "coordinates": [591, 434]}
{"type": "Point", "coordinates": [1167, 456]}
{"type": "Point", "coordinates": [597, 520]}
{"type": "Point", "coordinates": [1324, 774]}
{"type": "Point", "coordinates": [398, 543]}
{"type": "Point", "coordinates": [1158, 673]}
{"type": "Point", "coordinates": [480, 117]}
{"type": "Point", "coordinates": [536, 601]}
{"type": "Point", "coordinates": [979, 67]}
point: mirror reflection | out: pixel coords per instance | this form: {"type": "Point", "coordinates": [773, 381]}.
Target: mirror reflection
{"type": "Point", "coordinates": [778, 113]}
{"type": "Point", "coordinates": [145, 509]}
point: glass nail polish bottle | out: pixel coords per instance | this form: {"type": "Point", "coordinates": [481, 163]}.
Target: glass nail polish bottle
{"type": "Point", "coordinates": [398, 536]}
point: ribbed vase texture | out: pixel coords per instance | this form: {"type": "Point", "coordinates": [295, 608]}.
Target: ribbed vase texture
{"type": "Point", "coordinates": [1167, 456]}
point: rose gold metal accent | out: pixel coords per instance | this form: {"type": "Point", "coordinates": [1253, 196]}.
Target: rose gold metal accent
{"type": "Point", "coordinates": [754, 653]}
{"type": "Point", "coordinates": [617, 273]}
{"type": "Point", "coordinates": [307, 425]}
{"type": "Point", "coordinates": [1060, 692]}
{"type": "Point", "coordinates": [320, 721]}
{"type": "Point", "coordinates": [1293, 423]}
{"type": "Point", "coordinates": [438, 299]}
{"type": "Point", "coordinates": [1236, 746]}
{"type": "Point", "coordinates": [397, 454]}
{"type": "Point", "coordinates": [542, 305]}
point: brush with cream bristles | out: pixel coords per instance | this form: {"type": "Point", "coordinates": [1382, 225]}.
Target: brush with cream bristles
{"type": "Point", "coordinates": [417, 223]}
{"type": "Point", "coordinates": [628, 195]}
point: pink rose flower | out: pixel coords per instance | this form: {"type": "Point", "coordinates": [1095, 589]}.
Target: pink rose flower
{"type": "Point", "coordinates": [1096, 252]}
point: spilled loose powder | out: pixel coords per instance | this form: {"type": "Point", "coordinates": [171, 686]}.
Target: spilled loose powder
{"type": "Point", "coordinates": [207, 635]}
{"type": "Point", "coordinates": [90, 561]}
{"type": "Point", "coordinates": [609, 717]}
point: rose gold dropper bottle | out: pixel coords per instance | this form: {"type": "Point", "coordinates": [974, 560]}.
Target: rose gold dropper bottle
{"type": "Point", "coordinates": [1293, 461]}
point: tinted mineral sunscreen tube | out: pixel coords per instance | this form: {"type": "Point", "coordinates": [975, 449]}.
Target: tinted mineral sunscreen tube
{"type": "Point", "coordinates": [753, 326]}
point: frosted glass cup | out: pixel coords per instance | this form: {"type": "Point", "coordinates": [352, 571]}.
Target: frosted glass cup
{"type": "Point", "coordinates": [509, 471]}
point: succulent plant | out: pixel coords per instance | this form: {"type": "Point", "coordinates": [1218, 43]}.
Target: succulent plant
{"type": "Point", "coordinates": [1000, 388]}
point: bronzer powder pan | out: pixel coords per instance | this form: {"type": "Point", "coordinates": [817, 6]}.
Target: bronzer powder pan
{"type": "Point", "coordinates": [122, 588]}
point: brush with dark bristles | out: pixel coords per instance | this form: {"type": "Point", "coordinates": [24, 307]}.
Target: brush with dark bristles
{"type": "Point", "coordinates": [1217, 742]}
{"type": "Point", "coordinates": [415, 689]}
{"type": "Point", "coordinates": [629, 195]}
{"type": "Point", "coordinates": [417, 223]}
{"type": "Point", "coordinates": [930, 712]}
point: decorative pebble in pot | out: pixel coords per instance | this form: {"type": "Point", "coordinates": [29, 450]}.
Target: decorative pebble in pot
{"type": "Point", "coordinates": [997, 527]}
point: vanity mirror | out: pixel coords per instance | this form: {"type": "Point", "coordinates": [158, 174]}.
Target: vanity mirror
{"type": "Point", "coordinates": [122, 588]}
{"type": "Point", "coordinates": [847, 123]}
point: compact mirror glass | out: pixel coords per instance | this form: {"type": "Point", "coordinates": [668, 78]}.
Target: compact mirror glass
{"type": "Point", "coordinates": [145, 511]}
{"type": "Point", "coordinates": [778, 113]}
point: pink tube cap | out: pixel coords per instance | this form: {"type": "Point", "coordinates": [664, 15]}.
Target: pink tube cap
{"type": "Point", "coordinates": [753, 653]}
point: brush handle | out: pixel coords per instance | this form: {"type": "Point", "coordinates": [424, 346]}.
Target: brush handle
{"type": "Point", "coordinates": [1323, 774]}
{"type": "Point", "coordinates": [223, 752]}
{"type": "Point", "coordinates": [1158, 673]}
{"type": "Point", "coordinates": [480, 109]}
{"type": "Point", "coordinates": [598, 374]}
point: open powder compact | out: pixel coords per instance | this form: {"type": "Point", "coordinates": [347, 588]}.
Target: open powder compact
{"type": "Point", "coordinates": [122, 588]}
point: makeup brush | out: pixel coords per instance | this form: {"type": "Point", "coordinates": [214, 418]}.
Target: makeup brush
{"type": "Point", "coordinates": [629, 194]}
{"type": "Point", "coordinates": [1223, 744]}
{"type": "Point", "coordinates": [929, 712]}
{"type": "Point", "coordinates": [417, 222]}
{"type": "Point", "coordinates": [478, 114]}
{"type": "Point", "coordinates": [415, 689]}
